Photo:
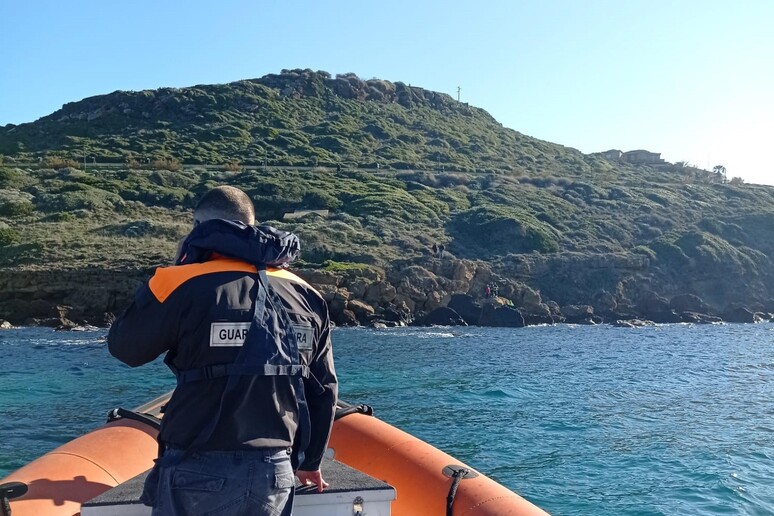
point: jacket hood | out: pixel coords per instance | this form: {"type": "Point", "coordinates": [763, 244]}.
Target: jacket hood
{"type": "Point", "coordinates": [262, 246]}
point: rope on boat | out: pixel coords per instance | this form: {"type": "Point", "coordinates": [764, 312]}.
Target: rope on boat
{"type": "Point", "coordinates": [345, 409]}
{"type": "Point", "coordinates": [122, 413]}
{"type": "Point", "coordinates": [457, 473]}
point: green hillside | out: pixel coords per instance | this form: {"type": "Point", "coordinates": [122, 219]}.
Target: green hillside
{"type": "Point", "coordinates": [398, 167]}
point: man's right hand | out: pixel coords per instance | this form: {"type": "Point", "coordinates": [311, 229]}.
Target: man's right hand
{"type": "Point", "coordinates": [307, 478]}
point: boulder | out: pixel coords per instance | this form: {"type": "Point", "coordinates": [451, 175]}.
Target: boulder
{"type": "Point", "coordinates": [699, 318]}
{"type": "Point", "coordinates": [604, 302]}
{"type": "Point", "coordinates": [652, 303]}
{"type": "Point", "coordinates": [418, 283]}
{"type": "Point", "coordinates": [380, 293]}
{"type": "Point", "coordinates": [345, 318]}
{"type": "Point", "coordinates": [463, 271]}
{"type": "Point", "coordinates": [632, 323]}
{"type": "Point", "coordinates": [393, 315]}
{"type": "Point", "coordinates": [466, 307]}
{"type": "Point", "coordinates": [35, 309]}
{"type": "Point", "coordinates": [528, 299]}
{"type": "Point", "coordinates": [665, 317]}
{"type": "Point", "coordinates": [361, 310]}
{"type": "Point", "coordinates": [617, 315]}
{"type": "Point", "coordinates": [537, 314]}
{"type": "Point", "coordinates": [578, 314]}
{"type": "Point", "coordinates": [688, 303]}
{"type": "Point", "coordinates": [406, 302]}
{"type": "Point", "coordinates": [319, 277]}
{"type": "Point", "coordinates": [5, 325]}
{"type": "Point", "coordinates": [340, 299]}
{"type": "Point", "coordinates": [443, 316]}
{"type": "Point", "coordinates": [554, 307]}
{"type": "Point", "coordinates": [741, 315]}
{"type": "Point", "coordinates": [537, 319]}
{"type": "Point", "coordinates": [502, 316]}
{"type": "Point", "coordinates": [108, 319]}
{"type": "Point", "coordinates": [435, 299]}
{"type": "Point", "coordinates": [358, 287]}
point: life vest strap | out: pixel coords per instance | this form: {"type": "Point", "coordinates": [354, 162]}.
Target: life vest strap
{"type": "Point", "coordinates": [211, 372]}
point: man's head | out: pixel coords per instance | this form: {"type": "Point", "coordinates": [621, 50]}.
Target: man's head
{"type": "Point", "coordinates": [225, 202]}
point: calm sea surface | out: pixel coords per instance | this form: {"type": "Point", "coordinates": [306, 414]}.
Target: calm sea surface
{"type": "Point", "coordinates": [579, 420]}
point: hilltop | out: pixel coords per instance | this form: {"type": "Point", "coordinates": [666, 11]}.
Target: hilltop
{"type": "Point", "coordinates": [299, 117]}
{"type": "Point", "coordinates": [398, 168]}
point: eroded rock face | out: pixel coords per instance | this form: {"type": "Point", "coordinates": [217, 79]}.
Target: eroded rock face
{"type": "Point", "coordinates": [361, 310]}
{"type": "Point", "coordinates": [501, 316]}
{"type": "Point", "coordinates": [361, 296]}
{"type": "Point", "coordinates": [79, 296]}
{"type": "Point", "coordinates": [578, 314]}
{"type": "Point", "coordinates": [741, 315]}
{"type": "Point", "coordinates": [689, 303]}
{"type": "Point", "coordinates": [652, 303]}
{"type": "Point", "coordinates": [466, 307]}
{"type": "Point", "coordinates": [380, 293]}
{"type": "Point", "coordinates": [443, 316]}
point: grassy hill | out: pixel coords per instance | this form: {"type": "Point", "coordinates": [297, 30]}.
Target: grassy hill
{"type": "Point", "coordinates": [447, 173]}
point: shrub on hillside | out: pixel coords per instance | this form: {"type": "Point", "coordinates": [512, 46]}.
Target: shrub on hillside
{"type": "Point", "coordinates": [16, 209]}
{"type": "Point", "coordinates": [57, 163]}
{"type": "Point", "coordinates": [8, 176]}
{"type": "Point", "coordinates": [8, 236]}
{"type": "Point", "coordinates": [500, 230]}
{"type": "Point", "coordinates": [320, 201]}
{"type": "Point", "coordinates": [62, 216]}
{"type": "Point", "coordinates": [668, 253]}
{"type": "Point", "coordinates": [233, 166]}
{"type": "Point", "coordinates": [170, 164]}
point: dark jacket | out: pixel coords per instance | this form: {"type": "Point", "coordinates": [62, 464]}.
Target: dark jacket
{"type": "Point", "coordinates": [179, 312]}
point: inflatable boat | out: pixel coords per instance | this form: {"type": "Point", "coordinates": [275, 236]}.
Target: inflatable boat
{"type": "Point", "coordinates": [413, 477]}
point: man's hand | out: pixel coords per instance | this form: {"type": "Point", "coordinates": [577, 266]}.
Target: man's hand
{"type": "Point", "coordinates": [308, 478]}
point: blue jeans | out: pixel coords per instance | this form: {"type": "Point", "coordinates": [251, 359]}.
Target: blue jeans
{"type": "Point", "coordinates": [255, 482]}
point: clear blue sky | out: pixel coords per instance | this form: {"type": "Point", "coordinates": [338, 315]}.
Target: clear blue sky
{"type": "Point", "coordinates": [693, 80]}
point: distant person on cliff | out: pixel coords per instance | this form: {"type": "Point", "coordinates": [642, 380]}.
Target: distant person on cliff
{"type": "Point", "coordinates": [435, 250]}
{"type": "Point", "coordinates": [487, 291]}
{"type": "Point", "coordinates": [441, 249]}
{"type": "Point", "coordinates": [250, 345]}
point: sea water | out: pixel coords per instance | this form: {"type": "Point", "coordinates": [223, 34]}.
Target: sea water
{"type": "Point", "coordinates": [674, 419]}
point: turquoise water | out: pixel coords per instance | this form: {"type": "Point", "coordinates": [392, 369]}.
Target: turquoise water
{"type": "Point", "coordinates": [579, 420]}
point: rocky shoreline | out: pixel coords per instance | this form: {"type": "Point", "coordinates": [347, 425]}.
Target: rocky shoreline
{"type": "Point", "coordinates": [426, 293]}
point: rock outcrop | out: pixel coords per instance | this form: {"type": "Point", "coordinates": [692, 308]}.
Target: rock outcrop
{"type": "Point", "coordinates": [432, 291]}
{"type": "Point", "coordinates": [741, 315]}
{"type": "Point", "coordinates": [443, 316]}
{"type": "Point", "coordinates": [501, 316]}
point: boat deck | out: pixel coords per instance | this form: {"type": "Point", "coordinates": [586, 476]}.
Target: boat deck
{"type": "Point", "coordinates": [350, 492]}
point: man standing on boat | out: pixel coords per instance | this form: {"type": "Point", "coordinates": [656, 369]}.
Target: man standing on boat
{"type": "Point", "coordinates": [250, 345]}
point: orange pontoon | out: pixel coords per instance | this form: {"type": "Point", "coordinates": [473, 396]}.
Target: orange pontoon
{"type": "Point", "coordinates": [423, 476]}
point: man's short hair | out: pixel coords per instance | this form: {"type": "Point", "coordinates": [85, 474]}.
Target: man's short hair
{"type": "Point", "coordinates": [225, 202]}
